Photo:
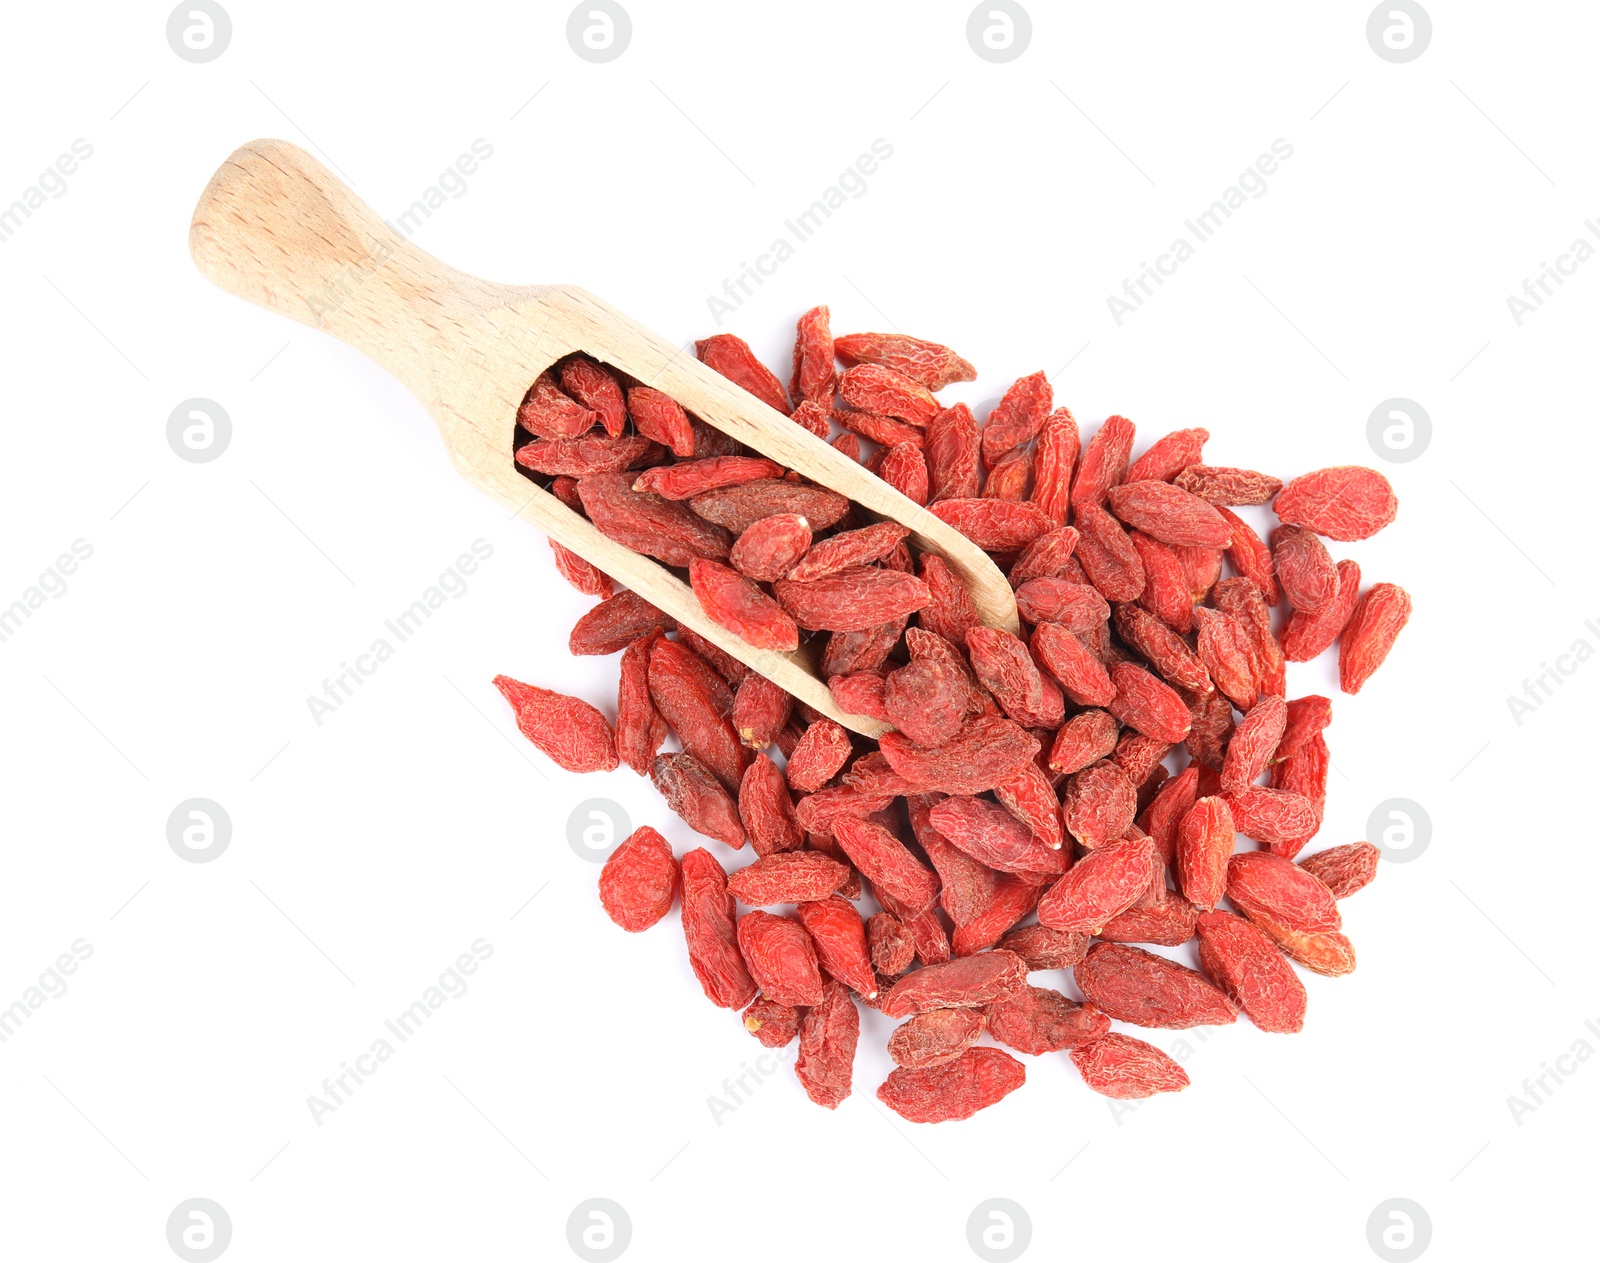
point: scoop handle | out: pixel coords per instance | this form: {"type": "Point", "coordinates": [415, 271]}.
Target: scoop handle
{"type": "Point", "coordinates": [276, 227]}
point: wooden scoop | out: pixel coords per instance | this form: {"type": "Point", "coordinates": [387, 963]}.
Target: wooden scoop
{"type": "Point", "coordinates": [274, 226]}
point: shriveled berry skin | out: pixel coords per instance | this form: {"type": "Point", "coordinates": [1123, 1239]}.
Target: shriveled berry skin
{"type": "Point", "coordinates": [766, 810]}
{"type": "Point", "coordinates": [889, 944]}
{"type": "Point", "coordinates": [1082, 676]}
{"type": "Point", "coordinates": [1307, 635]}
{"type": "Point", "coordinates": [1169, 513]}
{"type": "Point", "coordinates": [1100, 804]}
{"type": "Point", "coordinates": [1043, 948]}
{"type": "Point", "coordinates": [996, 526]}
{"type": "Point", "coordinates": [1004, 666]}
{"type": "Point", "coordinates": [572, 733]}
{"type": "Point", "coordinates": [616, 623]}
{"type": "Point", "coordinates": [660, 417]}
{"type": "Point", "coordinates": [1146, 704]}
{"type": "Point", "coordinates": [821, 753]}
{"type": "Point", "coordinates": [551, 414]}
{"type": "Point", "coordinates": [1108, 555]}
{"type": "Point", "coordinates": [884, 861]}
{"type": "Point", "coordinates": [1369, 635]}
{"type": "Point", "coordinates": [970, 982]}
{"type": "Point", "coordinates": [587, 454]}
{"type": "Point", "coordinates": [1086, 738]}
{"type": "Point", "coordinates": [1221, 484]}
{"type": "Point", "coordinates": [906, 470]}
{"type": "Point", "coordinates": [958, 1089]}
{"type": "Point", "coordinates": [991, 834]}
{"type": "Point", "coordinates": [1055, 460]}
{"type": "Point", "coordinates": [1273, 817]}
{"type": "Point", "coordinates": [1346, 502]}
{"type": "Point", "coordinates": [1018, 416]}
{"type": "Point", "coordinates": [1252, 971]}
{"type": "Point", "coordinates": [663, 529]}
{"type": "Point", "coordinates": [774, 1024]}
{"type": "Point", "coordinates": [1079, 607]}
{"type": "Point", "coordinates": [874, 388]}
{"type": "Point", "coordinates": [640, 727]}
{"type": "Point", "coordinates": [1327, 952]}
{"type": "Point", "coordinates": [848, 549]}
{"type": "Point", "coordinates": [828, 1035]}
{"type": "Point", "coordinates": [682, 688]}
{"type": "Point", "coordinates": [708, 929]}
{"type": "Point", "coordinates": [698, 797]}
{"type": "Point", "coordinates": [1127, 1069]}
{"type": "Point", "coordinates": [639, 880]}
{"type": "Point", "coordinates": [1170, 455]}
{"type": "Point", "coordinates": [1344, 869]}
{"type": "Point", "coordinates": [1166, 591]}
{"type": "Point", "coordinates": [779, 955]}
{"type": "Point", "coordinates": [814, 379]}
{"type": "Point", "coordinates": [935, 1037]}
{"type": "Point", "coordinates": [734, 602]}
{"type": "Point", "coordinates": [1169, 923]}
{"type": "Point", "coordinates": [1139, 987]}
{"type": "Point", "coordinates": [1267, 887]}
{"type": "Point", "coordinates": [952, 446]}
{"type": "Point", "coordinates": [1305, 568]}
{"type": "Point", "coordinates": [1015, 895]}
{"type": "Point", "coordinates": [769, 548]}
{"type": "Point", "coordinates": [927, 363]}
{"type": "Point", "coordinates": [731, 356]}
{"type": "Point", "coordinates": [1037, 1020]}
{"type": "Point", "coordinates": [1250, 556]}
{"type": "Point", "coordinates": [1254, 742]}
{"type": "Point", "coordinates": [1105, 883]}
{"type": "Point", "coordinates": [988, 750]}
{"type": "Point", "coordinates": [739, 508]}
{"type": "Point", "coordinates": [760, 710]}
{"type": "Point", "coordinates": [840, 940]}
{"type": "Point", "coordinates": [1104, 464]}
{"type": "Point", "coordinates": [851, 600]}
{"type": "Point", "coordinates": [596, 389]}
{"type": "Point", "coordinates": [787, 877]}
{"type": "Point", "coordinates": [1204, 843]}
{"type": "Point", "coordinates": [927, 700]}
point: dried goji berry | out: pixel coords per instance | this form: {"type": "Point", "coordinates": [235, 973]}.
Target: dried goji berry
{"type": "Point", "coordinates": [952, 446]}
{"type": "Point", "coordinates": [586, 578]}
{"type": "Point", "coordinates": [935, 1037]}
{"type": "Point", "coordinates": [640, 727]}
{"type": "Point", "coordinates": [853, 599]}
{"type": "Point", "coordinates": [766, 810]}
{"type": "Point", "coordinates": [1054, 461]}
{"type": "Point", "coordinates": [1227, 655]}
{"type": "Point", "coordinates": [860, 693]}
{"type": "Point", "coordinates": [1347, 502]}
{"type": "Point", "coordinates": [1004, 666]}
{"type": "Point", "coordinates": [1252, 971]}
{"type": "Point", "coordinates": [774, 1024]}
{"type": "Point", "coordinates": [1169, 923]}
{"type": "Point", "coordinates": [681, 691]}
{"type": "Point", "coordinates": [996, 526]}
{"type": "Point", "coordinates": [549, 413]}
{"type": "Point", "coordinates": [1304, 567]}
{"type": "Point", "coordinates": [906, 470]}
{"type": "Point", "coordinates": [814, 376]}
{"type": "Point", "coordinates": [1166, 590]}
{"type": "Point", "coordinates": [1304, 718]}
{"type": "Point", "coordinates": [1015, 895]}
{"type": "Point", "coordinates": [1169, 456]}
{"type": "Point", "coordinates": [1253, 743]}
{"type": "Point", "coordinates": [884, 861]}
{"type": "Point", "coordinates": [1048, 557]}
{"type": "Point", "coordinates": [1307, 635]}
{"type": "Point", "coordinates": [1204, 843]}
{"type": "Point", "coordinates": [1147, 705]}
{"type": "Point", "coordinates": [1104, 463]}
{"type": "Point", "coordinates": [991, 834]}
{"type": "Point", "coordinates": [587, 454]}
{"type": "Point", "coordinates": [841, 942]}
{"type": "Point", "coordinates": [1250, 556]}
{"type": "Point", "coordinates": [732, 601]}
{"type": "Point", "coordinates": [1108, 556]}
{"type": "Point", "coordinates": [848, 549]}
{"type": "Point", "coordinates": [1017, 417]}
{"type": "Point", "coordinates": [889, 944]}
{"type": "Point", "coordinates": [820, 754]}
{"type": "Point", "coordinates": [1082, 675]}
{"type": "Point", "coordinates": [874, 388]}
{"type": "Point", "coordinates": [1037, 1020]}
{"type": "Point", "coordinates": [988, 750]}
{"type": "Point", "coordinates": [1086, 738]}
{"type": "Point", "coordinates": [739, 508]}
{"type": "Point", "coordinates": [779, 955]}
{"type": "Point", "coordinates": [1170, 514]}
{"type": "Point", "coordinates": [828, 1035]}
{"type": "Point", "coordinates": [1104, 884]}
{"type": "Point", "coordinates": [1011, 477]}
{"type": "Point", "coordinates": [1132, 985]}
{"type": "Point", "coordinates": [1222, 485]}
{"type": "Point", "coordinates": [928, 363]}
{"type": "Point", "coordinates": [1076, 606]}
{"type": "Point", "coordinates": [949, 611]}
{"type": "Point", "coordinates": [639, 880]}
{"type": "Point", "coordinates": [698, 797]}
{"type": "Point", "coordinates": [887, 432]}
{"type": "Point", "coordinates": [1100, 804]}
{"type": "Point", "coordinates": [970, 982]}
{"type": "Point", "coordinates": [760, 710]}
{"type": "Point", "coordinates": [1127, 1069]}
{"type": "Point", "coordinates": [1269, 888]}
{"type": "Point", "coordinates": [597, 389]}
{"type": "Point", "coordinates": [662, 418]}
{"type": "Point", "coordinates": [848, 652]}
{"type": "Point", "coordinates": [1369, 635]}
{"type": "Point", "coordinates": [958, 1089]}
{"type": "Point", "coordinates": [658, 528]}
{"type": "Point", "coordinates": [1344, 869]}
{"type": "Point", "coordinates": [708, 930]}
{"type": "Point", "coordinates": [616, 623]}
{"type": "Point", "coordinates": [571, 733]}
{"type": "Point", "coordinates": [731, 356]}
{"type": "Point", "coordinates": [787, 877]}
{"type": "Point", "coordinates": [1029, 796]}
{"type": "Point", "coordinates": [1043, 948]}
{"type": "Point", "coordinates": [927, 700]}
{"type": "Point", "coordinates": [1273, 817]}
{"type": "Point", "coordinates": [689, 478]}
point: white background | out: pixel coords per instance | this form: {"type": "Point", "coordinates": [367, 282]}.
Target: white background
{"type": "Point", "coordinates": [370, 851]}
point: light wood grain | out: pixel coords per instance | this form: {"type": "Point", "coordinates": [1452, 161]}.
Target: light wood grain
{"type": "Point", "coordinates": [275, 227]}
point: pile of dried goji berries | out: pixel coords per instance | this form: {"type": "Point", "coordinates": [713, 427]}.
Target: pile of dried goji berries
{"type": "Point", "coordinates": [1022, 809]}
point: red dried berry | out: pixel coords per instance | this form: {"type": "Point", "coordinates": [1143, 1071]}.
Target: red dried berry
{"type": "Point", "coordinates": [731, 356]}
{"type": "Point", "coordinates": [780, 958]}
{"type": "Point", "coordinates": [935, 1038]}
{"type": "Point", "coordinates": [978, 1078]}
{"type": "Point", "coordinates": [596, 389]}
{"type": "Point", "coordinates": [1132, 985]}
{"type": "Point", "coordinates": [1127, 1069]}
{"type": "Point", "coordinates": [775, 1025]}
{"type": "Point", "coordinates": [828, 1035]}
{"type": "Point", "coordinates": [708, 930]}
{"type": "Point", "coordinates": [571, 733]}
{"type": "Point", "coordinates": [698, 797]}
{"type": "Point", "coordinates": [1104, 884]}
{"type": "Point", "coordinates": [639, 880]}
{"type": "Point", "coordinates": [662, 418]}
{"type": "Point", "coordinates": [1344, 869]}
{"type": "Point", "coordinates": [658, 528]}
{"type": "Point", "coordinates": [951, 446]}
{"type": "Point", "coordinates": [1347, 502]}
{"type": "Point", "coordinates": [814, 376]}
{"type": "Point", "coordinates": [1252, 971]}
{"type": "Point", "coordinates": [766, 810]}
{"type": "Point", "coordinates": [1170, 514]}
{"type": "Point", "coordinates": [1222, 485]}
{"type": "Point", "coordinates": [550, 414]}
{"type": "Point", "coordinates": [1307, 635]}
{"type": "Point", "coordinates": [690, 478]}
{"type": "Point", "coordinates": [928, 363]}
{"type": "Point", "coordinates": [1369, 635]}
{"type": "Point", "coordinates": [787, 877]}
{"type": "Point", "coordinates": [1037, 1020]}
{"type": "Point", "coordinates": [741, 507]}
{"type": "Point", "coordinates": [1169, 456]}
